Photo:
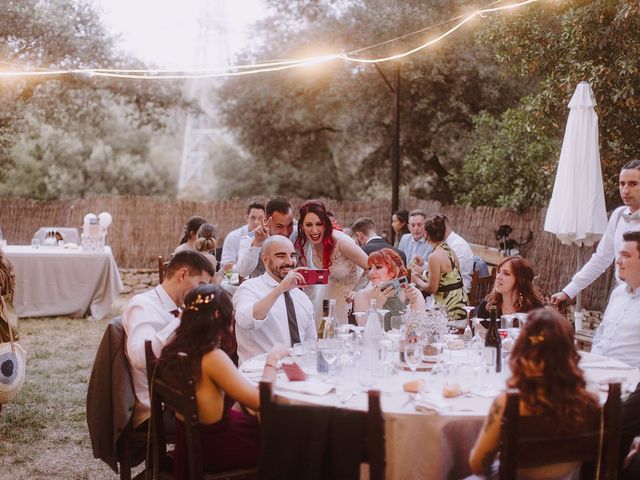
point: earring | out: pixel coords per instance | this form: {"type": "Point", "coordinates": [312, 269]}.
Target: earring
{"type": "Point", "coordinates": [519, 301]}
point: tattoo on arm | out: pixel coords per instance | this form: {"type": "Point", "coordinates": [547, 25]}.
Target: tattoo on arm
{"type": "Point", "coordinates": [493, 415]}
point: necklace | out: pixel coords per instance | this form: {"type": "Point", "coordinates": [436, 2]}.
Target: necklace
{"type": "Point", "coordinates": [317, 258]}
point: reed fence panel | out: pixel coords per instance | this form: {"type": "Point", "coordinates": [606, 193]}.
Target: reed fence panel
{"type": "Point", "coordinates": [145, 227]}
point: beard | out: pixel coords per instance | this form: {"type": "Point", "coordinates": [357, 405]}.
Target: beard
{"type": "Point", "coordinates": [280, 271]}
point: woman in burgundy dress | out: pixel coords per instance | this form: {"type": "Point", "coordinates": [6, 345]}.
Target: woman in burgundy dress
{"type": "Point", "coordinates": [230, 439]}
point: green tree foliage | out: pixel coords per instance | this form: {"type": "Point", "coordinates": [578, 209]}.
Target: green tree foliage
{"type": "Point", "coordinates": [559, 43]}
{"type": "Point", "coordinates": [74, 135]}
{"type": "Point", "coordinates": [326, 130]}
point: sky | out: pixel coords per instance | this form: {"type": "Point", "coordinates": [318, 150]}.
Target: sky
{"type": "Point", "coordinates": [165, 32]}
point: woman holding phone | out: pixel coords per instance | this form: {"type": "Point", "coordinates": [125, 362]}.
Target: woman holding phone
{"type": "Point", "coordinates": [386, 265]}
{"type": "Point", "coordinates": [321, 247]}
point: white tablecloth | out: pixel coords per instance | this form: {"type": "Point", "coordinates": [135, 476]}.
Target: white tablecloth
{"type": "Point", "coordinates": [52, 281]}
{"type": "Point", "coordinates": [430, 446]}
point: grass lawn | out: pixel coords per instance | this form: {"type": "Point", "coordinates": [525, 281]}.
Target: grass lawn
{"type": "Point", "coordinates": [43, 432]}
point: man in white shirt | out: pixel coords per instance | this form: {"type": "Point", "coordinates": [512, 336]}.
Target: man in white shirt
{"type": "Point", "coordinates": [231, 245]}
{"type": "Point", "coordinates": [463, 251]}
{"type": "Point", "coordinates": [623, 219]}
{"type": "Point", "coordinates": [618, 335]}
{"type": "Point", "coordinates": [271, 309]}
{"type": "Point", "coordinates": [153, 315]}
{"type": "Point", "coordinates": [279, 221]}
{"type": "Point", "coordinates": [414, 244]}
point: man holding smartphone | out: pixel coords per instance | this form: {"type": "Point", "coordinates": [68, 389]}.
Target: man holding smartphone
{"type": "Point", "coordinates": [271, 309]}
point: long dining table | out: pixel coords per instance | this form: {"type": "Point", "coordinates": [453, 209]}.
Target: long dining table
{"type": "Point", "coordinates": [55, 281]}
{"type": "Point", "coordinates": [429, 436]}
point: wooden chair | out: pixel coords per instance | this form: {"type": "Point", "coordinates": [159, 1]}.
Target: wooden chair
{"type": "Point", "coordinates": [531, 441]}
{"type": "Point", "coordinates": [480, 287]}
{"type": "Point", "coordinates": [373, 439]}
{"type": "Point", "coordinates": [181, 400]}
{"type": "Point", "coordinates": [162, 267]}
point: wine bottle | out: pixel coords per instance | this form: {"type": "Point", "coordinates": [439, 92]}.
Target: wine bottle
{"type": "Point", "coordinates": [323, 320]}
{"type": "Point", "coordinates": [493, 339]}
{"type": "Point", "coordinates": [330, 325]}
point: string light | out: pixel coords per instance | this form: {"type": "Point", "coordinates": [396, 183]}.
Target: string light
{"type": "Point", "coordinates": [275, 65]}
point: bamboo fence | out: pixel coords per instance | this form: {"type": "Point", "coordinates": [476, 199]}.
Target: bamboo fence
{"type": "Point", "coordinates": [145, 227]}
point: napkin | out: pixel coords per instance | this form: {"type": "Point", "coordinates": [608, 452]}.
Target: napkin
{"type": "Point", "coordinates": [428, 402]}
{"type": "Point", "coordinates": [255, 364]}
{"type": "Point", "coordinates": [310, 386]}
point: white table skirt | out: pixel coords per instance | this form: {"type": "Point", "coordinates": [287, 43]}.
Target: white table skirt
{"type": "Point", "coordinates": [54, 281]}
{"type": "Point", "coordinates": [430, 446]}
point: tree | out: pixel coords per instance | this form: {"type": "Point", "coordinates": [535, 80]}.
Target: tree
{"type": "Point", "coordinates": [326, 130]}
{"type": "Point", "coordinates": [73, 135]}
{"type": "Point", "coordinates": [560, 43]}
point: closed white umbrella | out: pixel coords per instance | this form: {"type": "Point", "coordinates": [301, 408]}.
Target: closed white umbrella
{"type": "Point", "coordinates": [577, 213]}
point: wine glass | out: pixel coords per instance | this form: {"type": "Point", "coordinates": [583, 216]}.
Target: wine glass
{"type": "Point", "coordinates": [366, 378]}
{"type": "Point", "coordinates": [330, 349]}
{"type": "Point", "coordinates": [359, 317]}
{"type": "Point", "coordinates": [382, 312]}
{"type": "Point", "coordinates": [413, 356]}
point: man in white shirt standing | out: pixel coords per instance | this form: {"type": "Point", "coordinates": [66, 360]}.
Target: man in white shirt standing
{"type": "Point", "coordinates": [153, 315]}
{"type": "Point", "coordinates": [271, 309]}
{"type": "Point", "coordinates": [623, 219]}
{"type": "Point", "coordinates": [414, 244]}
{"type": "Point", "coordinates": [231, 245]}
{"type": "Point", "coordinates": [618, 335]}
{"type": "Point", "coordinates": [279, 221]}
{"type": "Point", "coordinates": [463, 251]}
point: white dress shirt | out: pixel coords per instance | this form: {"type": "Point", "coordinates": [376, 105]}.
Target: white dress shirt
{"type": "Point", "coordinates": [412, 248]}
{"type": "Point", "coordinates": [465, 256]}
{"type": "Point", "coordinates": [232, 244]}
{"type": "Point", "coordinates": [618, 335]}
{"type": "Point", "coordinates": [606, 252]}
{"type": "Point", "coordinates": [259, 336]}
{"type": "Point", "coordinates": [147, 317]}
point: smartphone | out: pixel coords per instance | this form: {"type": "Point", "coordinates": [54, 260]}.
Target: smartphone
{"type": "Point", "coordinates": [397, 283]}
{"type": "Point", "coordinates": [315, 277]}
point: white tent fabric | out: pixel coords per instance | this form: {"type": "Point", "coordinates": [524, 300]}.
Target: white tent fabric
{"type": "Point", "coordinates": [577, 212]}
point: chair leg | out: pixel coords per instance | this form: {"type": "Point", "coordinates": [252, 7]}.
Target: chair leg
{"type": "Point", "coordinates": [125, 463]}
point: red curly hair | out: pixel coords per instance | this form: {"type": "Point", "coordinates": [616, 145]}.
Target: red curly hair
{"type": "Point", "coordinates": [390, 259]}
{"type": "Point", "coordinates": [544, 366]}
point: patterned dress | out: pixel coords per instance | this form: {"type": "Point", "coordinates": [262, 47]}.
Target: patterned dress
{"type": "Point", "coordinates": [451, 294]}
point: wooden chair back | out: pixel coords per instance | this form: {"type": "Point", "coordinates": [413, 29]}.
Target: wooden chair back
{"type": "Point", "coordinates": [374, 436]}
{"type": "Point", "coordinates": [162, 268]}
{"type": "Point", "coordinates": [533, 441]}
{"type": "Point", "coordinates": [182, 400]}
{"type": "Point", "coordinates": [480, 287]}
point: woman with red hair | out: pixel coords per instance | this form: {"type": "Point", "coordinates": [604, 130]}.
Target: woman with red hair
{"type": "Point", "coordinates": [320, 246]}
{"type": "Point", "coordinates": [513, 290]}
{"type": "Point", "coordinates": [544, 366]}
{"type": "Point", "coordinates": [385, 265]}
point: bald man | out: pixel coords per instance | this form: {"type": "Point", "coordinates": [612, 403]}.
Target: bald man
{"type": "Point", "coordinates": [271, 308]}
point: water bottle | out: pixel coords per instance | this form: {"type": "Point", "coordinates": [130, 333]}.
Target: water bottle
{"type": "Point", "coordinates": [372, 334]}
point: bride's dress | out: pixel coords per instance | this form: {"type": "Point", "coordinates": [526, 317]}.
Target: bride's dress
{"type": "Point", "coordinates": [343, 276]}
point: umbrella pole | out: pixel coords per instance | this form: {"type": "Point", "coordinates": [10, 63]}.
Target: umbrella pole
{"type": "Point", "coordinates": [577, 315]}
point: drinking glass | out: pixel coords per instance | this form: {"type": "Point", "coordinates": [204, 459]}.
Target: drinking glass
{"type": "Point", "coordinates": [35, 243]}
{"type": "Point", "coordinates": [366, 378]}
{"type": "Point", "coordinates": [413, 356]}
{"type": "Point", "coordinates": [396, 322]}
{"type": "Point", "coordinates": [330, 349]}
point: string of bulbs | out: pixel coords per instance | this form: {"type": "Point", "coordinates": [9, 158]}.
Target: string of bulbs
{"type": "Point", "coordinates": [273, 65]}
